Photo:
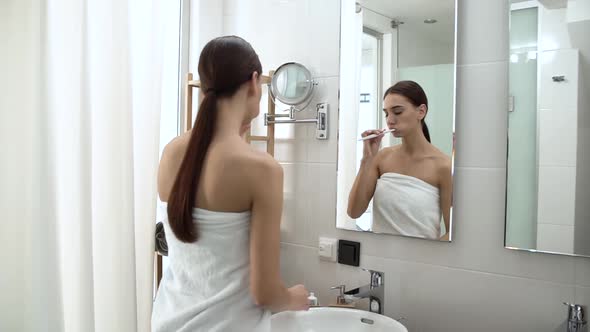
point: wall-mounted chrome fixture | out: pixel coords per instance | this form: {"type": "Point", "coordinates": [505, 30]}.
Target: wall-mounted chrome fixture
{"type": "Point", "coordinates": [374, 291]}
{"type": "Point", "coordinates": [358, 8]}
{"type": "Point", "coordinates": [559, 78]}
{"type": "Point", "coordinates": [395, 23]}
{"type": "Point", "coordinates": [293, 85]}
{"type": "Point", "coordinates": [575, 317]}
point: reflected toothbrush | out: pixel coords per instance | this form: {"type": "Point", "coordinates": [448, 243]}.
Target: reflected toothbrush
{"type": "Point", "coordinates": [375, 135]}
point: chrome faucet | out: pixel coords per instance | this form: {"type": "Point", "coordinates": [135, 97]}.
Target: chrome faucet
{"type": "Point", "coordinates": [575, 317]}
{"type": "Point", "coordinates": [374, 291]}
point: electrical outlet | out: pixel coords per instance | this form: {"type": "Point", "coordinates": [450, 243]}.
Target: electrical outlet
{"type": "Point", "coordinates": [328, 249]}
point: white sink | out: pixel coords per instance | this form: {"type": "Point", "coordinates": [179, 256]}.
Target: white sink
{"type": "Point", "coordinates": [333, 320]}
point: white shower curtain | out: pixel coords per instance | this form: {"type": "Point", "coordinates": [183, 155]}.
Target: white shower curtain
{"type": "Point", "coordinates": [79, 126]}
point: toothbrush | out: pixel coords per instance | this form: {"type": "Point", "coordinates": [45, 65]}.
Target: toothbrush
{"type": "Point", "coordinates": [375, 135]}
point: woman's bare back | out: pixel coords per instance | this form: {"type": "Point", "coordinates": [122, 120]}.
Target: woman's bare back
{"type": "Point", "coordinates": [230, 170]}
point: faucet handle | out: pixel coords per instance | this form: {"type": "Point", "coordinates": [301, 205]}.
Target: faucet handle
{"type": "Point", "coordinates": [376, 277]}
{"type": "Point", "coordinates": [575, 312]}
{"type": "Point", "coordinates": [342, 289]}
{"type": "Point", "coordinates": [372, 272]}
{"type": "Point", "coordinates": [340, 299]}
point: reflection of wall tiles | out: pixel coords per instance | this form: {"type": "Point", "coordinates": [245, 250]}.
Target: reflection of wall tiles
{"type": "Point", "coordinates": [553, 29]}
{"type": "Point", "coordinates": [556, 197]}
{"type": "Point", "coordinates": [558, 95]}
{"type": "Point", "coordinates": [558, 137]}
{"type": "Point", "coordinates": [555, 238]}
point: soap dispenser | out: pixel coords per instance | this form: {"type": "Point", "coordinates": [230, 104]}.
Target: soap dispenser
{"type": "Point", "coordinates": [312, 300]}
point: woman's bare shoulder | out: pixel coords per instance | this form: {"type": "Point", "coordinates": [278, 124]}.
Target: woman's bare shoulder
{"type": "Point", "coordinates": [170, 161]}
{"type": "Point", "coordinates": [252, 162]}
{"type": "Point", "coordinates": [389, 151]}
{"type": "Point", "coordinates": [443, 162]}
{"type": "Point", "coordinates": [176, 148]}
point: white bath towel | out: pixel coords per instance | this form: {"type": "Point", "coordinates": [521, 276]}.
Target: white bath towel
{"type": "Point", "coordinates": [406, 205]}
{"type": "Point", "coordinates": [206, 284]}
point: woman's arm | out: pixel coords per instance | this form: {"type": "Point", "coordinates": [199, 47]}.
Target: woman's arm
{"type": "Point", "coordinates": [266, 285]}
{"type": "Point", "coordinates": [363, 188]}
{"type": "Point", "coordinates": [364, 184]}
{"type": "Point", "coordinates": [446, 190]}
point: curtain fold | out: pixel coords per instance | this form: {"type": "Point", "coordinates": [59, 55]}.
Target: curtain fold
{"type": "Point", "coordinates": [80, 123]}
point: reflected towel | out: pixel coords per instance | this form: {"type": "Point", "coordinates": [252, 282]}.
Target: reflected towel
{"type": "Point", "coordinates": [406, 205]}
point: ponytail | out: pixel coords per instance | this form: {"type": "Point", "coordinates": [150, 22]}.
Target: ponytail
{"type": "Point", "coordinates": [225, 64]}
{"type": "Point", "coordinates": [183, 193]}
{"type": "Point", "coordinates": [425, 131]}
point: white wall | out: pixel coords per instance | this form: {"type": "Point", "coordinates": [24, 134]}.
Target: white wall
{"type": "Point", "coordinates": [557, 130]}
{"type": "Point", "coordinates": [557, 150]}
{"type": "Point", "coordinates": [382, 24]}
{"type": "Point", "coordinates": [471, 284]}
{"type": "Point", "coordinates": [579, 28]}
{"type": "Point", "coordinates": [415, 48]}
{"type": "Point", "coordinates": [578, 10]}
{"type": "Point", "coordinates": [418, 50]}
{"type": "Point", "coordinates": [19, 33]}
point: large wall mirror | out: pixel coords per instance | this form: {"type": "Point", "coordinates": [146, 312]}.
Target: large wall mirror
{"type": "Point", "coordinates": [397, 85]}
{"type": "Point", "coordinates": [548, 170]}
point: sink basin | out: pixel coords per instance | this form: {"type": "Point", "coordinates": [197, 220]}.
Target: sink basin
{"type": "Point", "coordinates": [333, 320]}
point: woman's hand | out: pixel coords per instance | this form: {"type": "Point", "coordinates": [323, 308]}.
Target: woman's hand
{"type": "Point", "coordinates": [298, 295]}
{"type": "Point", "coordinates": [371, 146]}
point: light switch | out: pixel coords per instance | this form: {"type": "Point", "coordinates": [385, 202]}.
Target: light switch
{"type": "Point", "coordinates": [327, 249]}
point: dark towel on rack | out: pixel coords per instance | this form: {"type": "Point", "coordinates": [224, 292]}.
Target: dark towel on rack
{"type": "Point", "coordinates": [161, 244]}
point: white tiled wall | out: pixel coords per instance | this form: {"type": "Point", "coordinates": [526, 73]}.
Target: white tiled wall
{"type": "Point", "coordinates": [471, 284]}
{"type": "Point", "coordinates": [558, 136]}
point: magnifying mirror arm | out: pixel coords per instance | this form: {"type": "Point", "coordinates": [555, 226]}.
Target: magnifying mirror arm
{"type": "Point", "coordinates": [321, 120]}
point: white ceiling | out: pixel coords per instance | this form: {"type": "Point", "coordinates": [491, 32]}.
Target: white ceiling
{"type": "Point", "coordinates": [414, 12]}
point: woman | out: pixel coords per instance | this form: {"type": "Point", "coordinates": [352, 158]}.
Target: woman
{"type": "Point", "coordinates": [224, 204]}
{"type": "Point", "coordinates": [410, 183]}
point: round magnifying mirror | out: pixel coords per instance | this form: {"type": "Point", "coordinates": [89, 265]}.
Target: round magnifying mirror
{"type": "Point", "coordinates": [292, 84]}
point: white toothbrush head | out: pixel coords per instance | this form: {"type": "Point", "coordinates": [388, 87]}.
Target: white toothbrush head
{"type": "Point", "coordinates": [375, 135]}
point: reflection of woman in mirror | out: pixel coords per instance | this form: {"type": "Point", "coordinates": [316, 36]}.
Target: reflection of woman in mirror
{"type": "Point", "coordinates": [410, 183]}
{"type": "Point", "coordinates": [224, 206]}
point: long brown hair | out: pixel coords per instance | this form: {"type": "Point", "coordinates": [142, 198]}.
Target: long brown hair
{"type": "Point", "coordinates": [224, 65]}
{"type": "Point", "coordinates": [415, 94]}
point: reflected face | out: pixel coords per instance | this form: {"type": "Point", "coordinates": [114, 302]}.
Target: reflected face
{"type": "Point", "coordinates": [401, 115]}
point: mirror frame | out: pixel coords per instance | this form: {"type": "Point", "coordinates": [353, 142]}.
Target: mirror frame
{"type": "Point", "coordinates": [517, 6]}
{"type": "Point", "coordinates": [292, 101]}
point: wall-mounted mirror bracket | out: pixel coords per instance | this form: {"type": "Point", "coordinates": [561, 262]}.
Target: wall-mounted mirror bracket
{"type": "Point", "coordinates": [321, 120]}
